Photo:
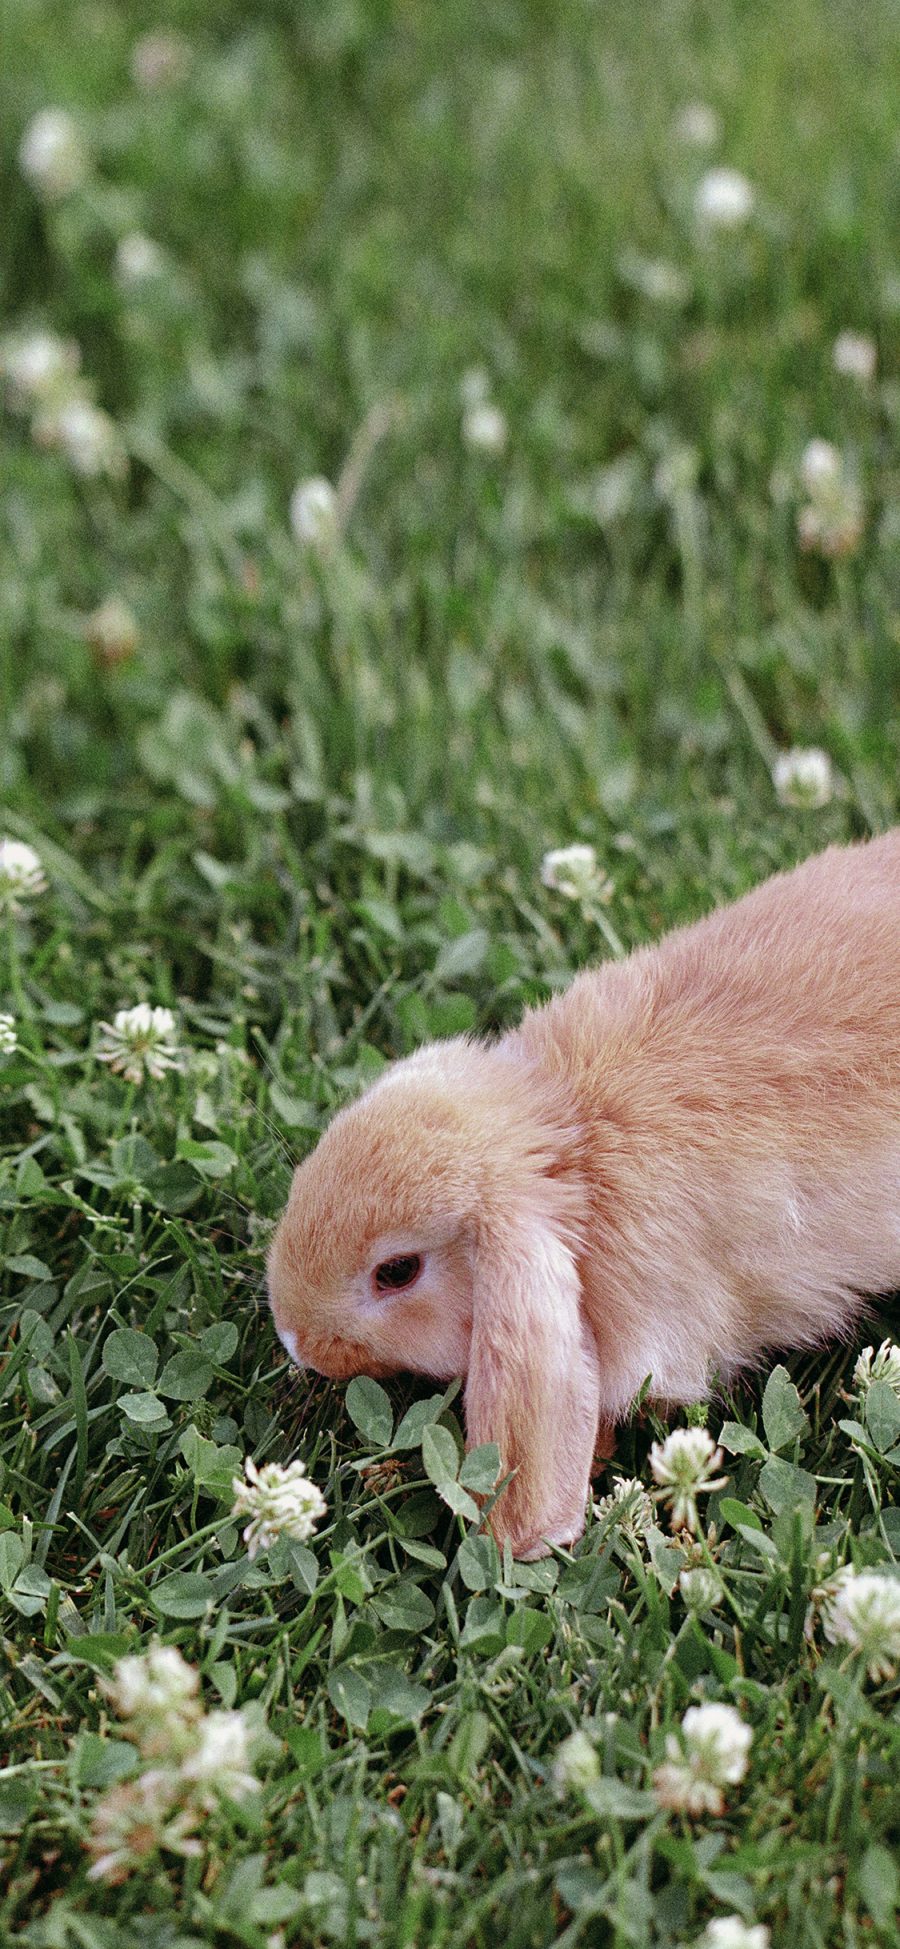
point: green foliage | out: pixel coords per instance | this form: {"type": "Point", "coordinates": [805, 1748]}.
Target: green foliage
{"type": "Point", "coordinates": [305, 807]}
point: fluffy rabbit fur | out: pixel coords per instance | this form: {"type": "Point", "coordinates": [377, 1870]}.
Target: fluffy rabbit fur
{"type": "Point", "coordinates": [687, 1158]}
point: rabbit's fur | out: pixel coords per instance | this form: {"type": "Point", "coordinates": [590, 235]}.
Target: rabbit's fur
{"type": "Point", "coordinates": [687, 1158]}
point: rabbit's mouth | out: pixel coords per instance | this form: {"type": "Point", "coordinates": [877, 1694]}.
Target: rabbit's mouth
{"type": "Point", "coordinates": [337, 1359]}
{"type": "Point", "coordinates": [342, 1360]}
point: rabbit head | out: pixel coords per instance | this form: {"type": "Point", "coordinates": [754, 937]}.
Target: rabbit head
{"type": "Point", "coordinates": [437, 1228]}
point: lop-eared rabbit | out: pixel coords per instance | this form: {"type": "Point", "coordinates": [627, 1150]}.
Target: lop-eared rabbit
{"type": "Point", "coordinates": [686, 1159]}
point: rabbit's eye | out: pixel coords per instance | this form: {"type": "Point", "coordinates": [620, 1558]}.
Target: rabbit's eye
{"type": "Point", "coordinates": [393, 1274]}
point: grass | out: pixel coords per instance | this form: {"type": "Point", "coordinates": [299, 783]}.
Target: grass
{"type": "Point", "coordinates": [307, 811]}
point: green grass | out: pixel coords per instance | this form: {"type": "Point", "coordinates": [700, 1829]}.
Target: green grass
{"type": "Point", "coordinates": [308, 813]}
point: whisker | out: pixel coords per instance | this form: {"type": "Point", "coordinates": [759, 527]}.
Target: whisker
{"type": "Point", "coordinates": [291, 1157]}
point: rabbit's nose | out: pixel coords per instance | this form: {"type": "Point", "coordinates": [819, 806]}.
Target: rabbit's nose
{"type": "Point", "coordinates": [289, 1342]}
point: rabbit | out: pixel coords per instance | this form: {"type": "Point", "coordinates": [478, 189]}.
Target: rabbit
{"type": "Point", "coordinates": [686, 1159]}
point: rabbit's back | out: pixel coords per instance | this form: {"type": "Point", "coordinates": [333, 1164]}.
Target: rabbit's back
{"type": "Point", "coordinates": [796, 986]}
{"type": "Point", "coordinates": [738, 1087]}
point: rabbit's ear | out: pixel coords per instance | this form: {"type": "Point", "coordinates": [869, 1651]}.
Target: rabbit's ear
{"type": "Point", "coordinates": [533, 1383]}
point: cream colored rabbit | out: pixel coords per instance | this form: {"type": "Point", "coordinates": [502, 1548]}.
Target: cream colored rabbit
{"type": "Point", "coordinates": [687, 1158]}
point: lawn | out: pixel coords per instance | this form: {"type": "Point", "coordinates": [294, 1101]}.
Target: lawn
{"type": "Point", "coordinates": [290, 759]}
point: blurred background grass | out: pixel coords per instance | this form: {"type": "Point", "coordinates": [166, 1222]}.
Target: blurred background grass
{"type": "Point", "coordinates": [359, 204]}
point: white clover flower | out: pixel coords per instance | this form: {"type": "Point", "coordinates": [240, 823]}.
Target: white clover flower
{"type": "Point", "coordinates": [158, 1694]}
{"type": "Point", "coordinates": [698, 126]}
{"type": "Point", "coordinates": [730, 1932]}
{"type": "Point", "coordinates": [576, 1765]}
{"type": "Point", "coordinates": [474, 386]}
{"type": "Point", "coordinates": [154, 1684]}
{"type": "Point", "coordinates": [220, 1760]}
{"type": "Point", "coordinates": [133, 1822]}
{"type": "Point", "coordinates": [52, 155]}
{"type": "Point", "coordinates": [803, 777]}
{"type": "Point", "coordinates": [484, 427]}
{"type": "Point", "coordinates": [39, 366]}
{"type": "Point", "coordinates": [202, 1756]}
{"type": "Point", "coordinates": [160, 59]}
{"type": "Point", "coordinates": [724, 200]}
{"type": "Point", "coordinates": [677, 1787]}
{"type": "Point", "coordinates": [314, 512]}
{"type": "Point", "coordinates": [881, 1366]}
{"type": "Point", "coordinates": [138, 260]}
{"type": "Point", "coordinates": [834, 528]}
{"type": "Point", "coordinates": [89, 438]}
{"type": "Point", "coordinates": [279, 1502]}
{"type": "Point", "coordinates": [630, 1505]}
{"type": "Point", "coordinates": [711, 1752]}
{"type": "Point", "coordinates": [158, 1681]}
{"type": "Point", "coordinates": [717, 1741]}
{"type": "Point", "coordinates": [112, 631]}
{"type": "Point", "coordinates": [685, 1464]}
{"type": "Point", "coordinates": [139, 1040]}
{"type": "Point", "coordinates": [663, 283]}
{"type": "Point", "coordinates": [8, 1040]}
{"type": "Point", "coordinates": [855, 356]}
{"type": "Point", "coordinates": [574, 871]}
{"type": "Point", "coordinates": [821, 465]}
{"type": "Point", "coordinates": [865, 1614]}
{"type": "Point", "coordinates": [824, 1595]}
{"type": "Point", "coordinates": [831, 521]}
{"type": "Point", "coordinates": [700, 1588]}
{"type": "Point", "coordinates": [22, 875]}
